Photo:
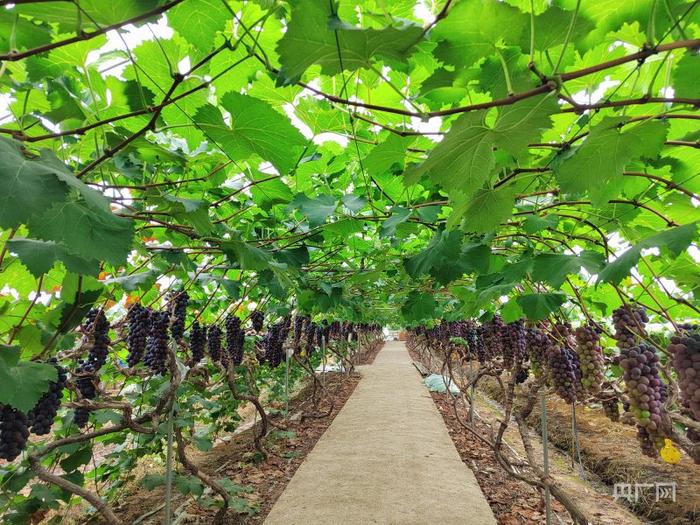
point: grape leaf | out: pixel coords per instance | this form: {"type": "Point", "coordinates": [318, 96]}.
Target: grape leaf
{"type": "Point", "coordinates": [596, 166]}
{"type": "Point", "coordinates": [537, 306]}
{"type": "Point", "coordinates": [553, 268]}
{"type": "Point", "coordinates": [316, 36]}
{"type": "Point", "coordinates": [316, 210]}
{"type": "Point", "coordinates": [29, 183]}
{"type": "Point", "coordinates": [40, 256]}
{"type": "Point", "coordinates": [22, 383]}
{"type": "Point", "coordinates": [199, 21]}
{"type": "Point", "coordinates": [85, 231]}
{"type": "Point", "coordinates": [484, 211]}
{"type": "Point", "coordinates": [676, 240]}
{"type": "Point", "coordinates": [465, 41]}
{"type": "Point", "coordinates": [418, 307]}
{"type": "Point", "coordinates": [256, 128]}
{"type": "Point", "coordinates": [441, 259]}
{"type": "Point", "coordinates": [464, 159]}
{"type": "Point", "coordinates": [246, 255]}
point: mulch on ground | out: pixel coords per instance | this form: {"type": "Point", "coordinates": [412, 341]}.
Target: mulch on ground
{"type": "Point", "coordinates": [513, 502]}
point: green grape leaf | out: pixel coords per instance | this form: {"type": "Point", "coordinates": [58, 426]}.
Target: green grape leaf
{"type": "Point", "coordinates": [246, 255]}
{"type": "Point", "coordinates": [29, 183]}
{"type": "Point", "coordinates": [483, 211]}
{"type": "Point", "coordinates": [256, 128]}
{"type": "Point", "coordinates": [441, 259]}
{"type": "Point", "coordinates": [316, 210]}
{"type": "Point", "coordinates": [40, 256]}
{"type": "Point", "coordinates": [399, 215]}
{"type": "Point", "coordinates": [316, 36]}
{"type": "Point", "coordinates": [465, 41]}
{"type": "Point", "coordinates": [419, 307]}
{"type": "Point", "coordinates": [685, 76]}
{"type": "Point", "coordinates": [199, 21]}
{"type": "Point", "coordinates": [464, 159]}
{"type": "Point", "coordinates": [537, 306]}
{"type": "Point", "coordinates": [22, 383]}
{"type": "Point", "coordinates": [596, 166]}
{"type": "Point", "coordinates": [85, 231]}
{"type": "Point", "coordinates": [553, 268]}
{"type": "Point", "coordinates": [675, 240]}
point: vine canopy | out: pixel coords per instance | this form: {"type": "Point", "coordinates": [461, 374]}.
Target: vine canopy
{"type": "Point", "coordinates": [386, 160]}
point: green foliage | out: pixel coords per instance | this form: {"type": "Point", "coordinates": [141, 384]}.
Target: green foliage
{"type": "Point", "coordinates": [345, 159]}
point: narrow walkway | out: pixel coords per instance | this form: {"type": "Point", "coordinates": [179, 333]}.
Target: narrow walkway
{"type": "Point", "coordinates": [386, 458]}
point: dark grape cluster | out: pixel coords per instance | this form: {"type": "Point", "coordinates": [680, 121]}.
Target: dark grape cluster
{"type": "Point", "coordinates": [86, 384]}
{"type": "Point", "coordinates": [311, 337]}
{"type": "Point", "coordinates": [493, 337]}
{"type": "Point", "coordinates": [178, 312]}
{"type": "Point", "coordinates": [629, 322]}
{"type": "Point", "coordinates": [139, 322]}
{"type": "Point", "coordinates": [514, 344]}
{"type": "Point", "coordinates": [477, 344]}
{"type": "Point", "coordinates": [576, 362]}
{"type": "Point", "coordinates": [273, 342]}
{"type": "Point", "coordinates": [96, 329]}
{"type": "Point", "coordinates": [685, 348]}
{"type": "Point", "coordinates": [214, 343]}
{"type": "Point", "coordinates": [198, 340]}
{"type": "Point", "coordinates": [257, 320]}
{"type": "Point", "coordinates": [611, 408]}
{"type": "Point", "coordinates": [562, 371]}
{"type": "Point", "coordinates": [298, 330]}
{"type": "Point", "coordinates": [44, 412]}
{"type": "Point", "coordinates": [538, 343]}
{"type": "Point", "coordinates": [14, 432]}
{"type": "Point", "coordinates": [157, 343]}
{"type": "Point", "coordinates": [235, 339]}
{"type": "Point", "coordinates": [644, 391]}
{"type": "Point", "coordinates": [591, 356]}
{"type": "Point", "coordinates": [522, 375]}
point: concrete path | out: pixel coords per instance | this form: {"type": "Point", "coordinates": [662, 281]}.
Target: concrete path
{"type": "Point", "coordinates": [386, 458]}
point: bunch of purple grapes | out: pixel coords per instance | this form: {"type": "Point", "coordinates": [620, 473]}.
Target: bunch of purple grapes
{"type": "Point", "coordinates": [40, 418]}
{"type": "Point", "coordinates": [96, 329]}
{"type": "Point", "coordinates": [644, 392]}
{"type": "Point", "coordinates": [198, 340]}
{"type": "Point", "coordinates": [562, 371]}
{"type": "Point", "coordinates": [479, 345]}
{"type": "Point", "coordinates": [178, 312]}
{"type": "Point", "coordinates": [156, 358]}
{"type": "Point", "coordinates": [214, 343]}
{"type": "Point", "coordinates": [85, 379]}
{"type": "Point", "coordinates": [685, 348]}
{"type": "Point", "coordinates": [299, 323]}
{"type": "Point", "coordinates": [139, 323]}
{"type": "Point", "coordinates": [611, 408]}
{"type": "Point", "coordinates": [312, 338]}
{"type": "Point", "coordinates": [538, 343]}
{"type": "Point", "coordinates": [273, 344]}
{"type": "Point", "coordinates": [514, 344]}
{"type": "Point", "coordinates": [493, 337]}
{"type": "Point", "coordinates": [257, 320]}
{"type": "Point", "coordinates": [235, 339]}
{"type": "Point", "coordinates": [629, 322]}
{"type": "Point", "coordinates": [591, 356]}
{"type": "Point", "coordinates": [14, 432]}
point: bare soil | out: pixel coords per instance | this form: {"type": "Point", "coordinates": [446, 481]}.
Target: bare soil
{"type": "Point", "coordinates": [238, 461]}
{"type": "Point", "coordinates": [512, 501]}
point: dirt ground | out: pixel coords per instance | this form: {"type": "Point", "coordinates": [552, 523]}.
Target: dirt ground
{"type": "Point", "coordinates": [515, 502]}
{"type": "Point", "coordinates": [236, 459]}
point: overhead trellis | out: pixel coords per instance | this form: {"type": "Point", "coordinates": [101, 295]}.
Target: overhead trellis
{"type": "Point", "coordinates": [348, 155]}
{"type": "Point", "coordinates": [310, 144]}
